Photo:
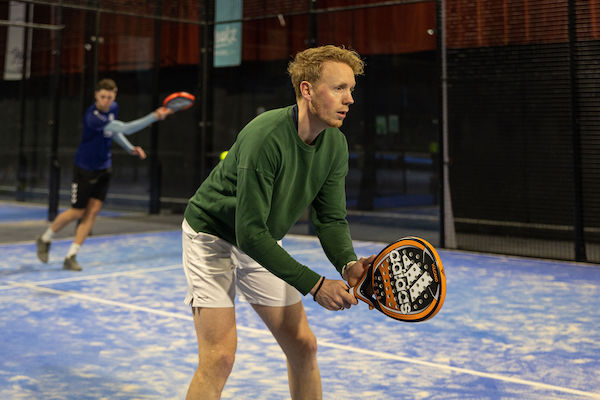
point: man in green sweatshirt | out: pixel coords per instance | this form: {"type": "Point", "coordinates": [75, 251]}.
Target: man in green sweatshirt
{"type": "Point", "coordinates": [282, 162]}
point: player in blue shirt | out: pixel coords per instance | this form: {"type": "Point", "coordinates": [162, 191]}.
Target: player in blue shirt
{"type": "Point", "coordinates": [92, 169]}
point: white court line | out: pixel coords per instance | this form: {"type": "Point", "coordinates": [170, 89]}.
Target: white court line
{"type": "Point", "coordinates": [376, 354]}
{"type": "Point", "coordinates": [449, 368]}
{"type": "Point", "coordinates": [100, 276]}
{"type": "Point", "coordinates": [82, 296]}
{"type": "Point", "coordinates": [133, 272]}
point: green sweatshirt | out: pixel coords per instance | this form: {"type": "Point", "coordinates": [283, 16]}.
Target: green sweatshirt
{"type": "Point", "coordinates": [259, 191]}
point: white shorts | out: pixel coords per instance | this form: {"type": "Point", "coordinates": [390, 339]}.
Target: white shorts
{"type": "Point", "coordinates": [214, 269]}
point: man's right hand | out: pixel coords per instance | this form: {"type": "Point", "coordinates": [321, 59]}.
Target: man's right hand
{"type": "Point", "coordinates": [162, 112]}
{"type": "Point", "coordinates": [356, 270]}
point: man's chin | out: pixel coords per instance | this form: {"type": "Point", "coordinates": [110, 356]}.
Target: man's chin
{"type": "Point", "coordinates": [331, 122]}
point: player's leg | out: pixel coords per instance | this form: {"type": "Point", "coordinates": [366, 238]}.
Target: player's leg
{"type": "Point", "coordinates": [87, 220]}
{"type": "Point", "coordinates": [81, 233]}
{"type": "Point", "coordinates": [290, 328]}
{"type": "Point", "coordinates": [217, 341]}
{"type": "Point", "coordinates": [65, 218]}
{"type": "Point", "coordinates": [211, 291]}
{"type": "Point", "coordinates": [80, 192]}
{"type": "Point", "coordinates": [96, 186]}
{"type": "Point", "coordinates": [98, 183]}
{"type": "Point", "coordinates": [280, 307]}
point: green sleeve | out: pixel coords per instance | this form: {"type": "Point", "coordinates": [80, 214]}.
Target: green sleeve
{"type": "Point", "coordinates": [329, 215]}
{"type": "Point", "coordinates": [252, 234]}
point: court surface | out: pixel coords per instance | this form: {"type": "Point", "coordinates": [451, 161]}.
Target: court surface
{"type": "Point", "coordinates": [510, 328]}
{"type": "Point", "coordinates": [23, 212]}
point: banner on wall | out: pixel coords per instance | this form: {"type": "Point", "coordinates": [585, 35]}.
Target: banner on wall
{"type": "Point", "coordinates": [228, 35]}
{"type": "Point", "coordinates": [15, 35]}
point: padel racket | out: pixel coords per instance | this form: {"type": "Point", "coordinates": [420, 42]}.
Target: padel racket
{"type": "Point", "coordinates": [179, 101]}
{"type": "Point", "coordinates": [406, 281]}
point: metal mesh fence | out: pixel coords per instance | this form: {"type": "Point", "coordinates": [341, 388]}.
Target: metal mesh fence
{"type": "Point", "coordinates": [522, 119]}
{"type": "Point", "coordinates": [522, 137]}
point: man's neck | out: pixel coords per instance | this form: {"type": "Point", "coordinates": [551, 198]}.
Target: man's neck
{"type": "Point", "coordinates": [309, 125]}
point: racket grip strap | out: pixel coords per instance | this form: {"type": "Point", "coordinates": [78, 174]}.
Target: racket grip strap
{"type": "Point", "coordinates": [318, 288]}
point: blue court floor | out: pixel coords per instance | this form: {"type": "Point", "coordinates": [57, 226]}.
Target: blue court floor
{"type": "Point", "coordinates": [510, 328]}
{"type": "Point", "coordinates": [33, 212]}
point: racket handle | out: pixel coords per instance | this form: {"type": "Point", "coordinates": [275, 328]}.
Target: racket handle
{"type": "Point", "coordinates": [351, 291]}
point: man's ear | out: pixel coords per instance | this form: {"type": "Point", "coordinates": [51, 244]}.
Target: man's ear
{"type": "Point", "coordinates": [306, 89]}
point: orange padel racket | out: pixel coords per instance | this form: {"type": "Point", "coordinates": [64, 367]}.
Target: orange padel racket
{"type": "Point", "coordinates": [179, 101]}
{"type": "Point", "coordinates": [406, 281]}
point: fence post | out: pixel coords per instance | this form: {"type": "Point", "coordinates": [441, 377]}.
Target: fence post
{"type": "Point", "coordinates": [578, 224]}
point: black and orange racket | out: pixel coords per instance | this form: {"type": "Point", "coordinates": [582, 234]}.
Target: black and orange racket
{"type": "Point", "coordinates": [406, 281]}
{"type": "Point", "coordinates": [179, 101]}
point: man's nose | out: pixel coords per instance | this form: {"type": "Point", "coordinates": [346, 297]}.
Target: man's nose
{"type": "Point", "coordinates": [348, 98]}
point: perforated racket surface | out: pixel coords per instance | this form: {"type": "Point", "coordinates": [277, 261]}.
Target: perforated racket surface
{"type": "Point", "coordinates": [406, 281]}
{"type": "Point", "coordinates": [179, 101]}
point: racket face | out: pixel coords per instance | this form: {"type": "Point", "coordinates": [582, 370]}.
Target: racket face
{"type": "Point", "coordinates": [407, 281]}
{"type": "Point", "coordinates": [179, 101]}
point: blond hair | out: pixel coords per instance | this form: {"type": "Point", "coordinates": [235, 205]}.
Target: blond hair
{"type": "Point", "coordinates": [308, 63]}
